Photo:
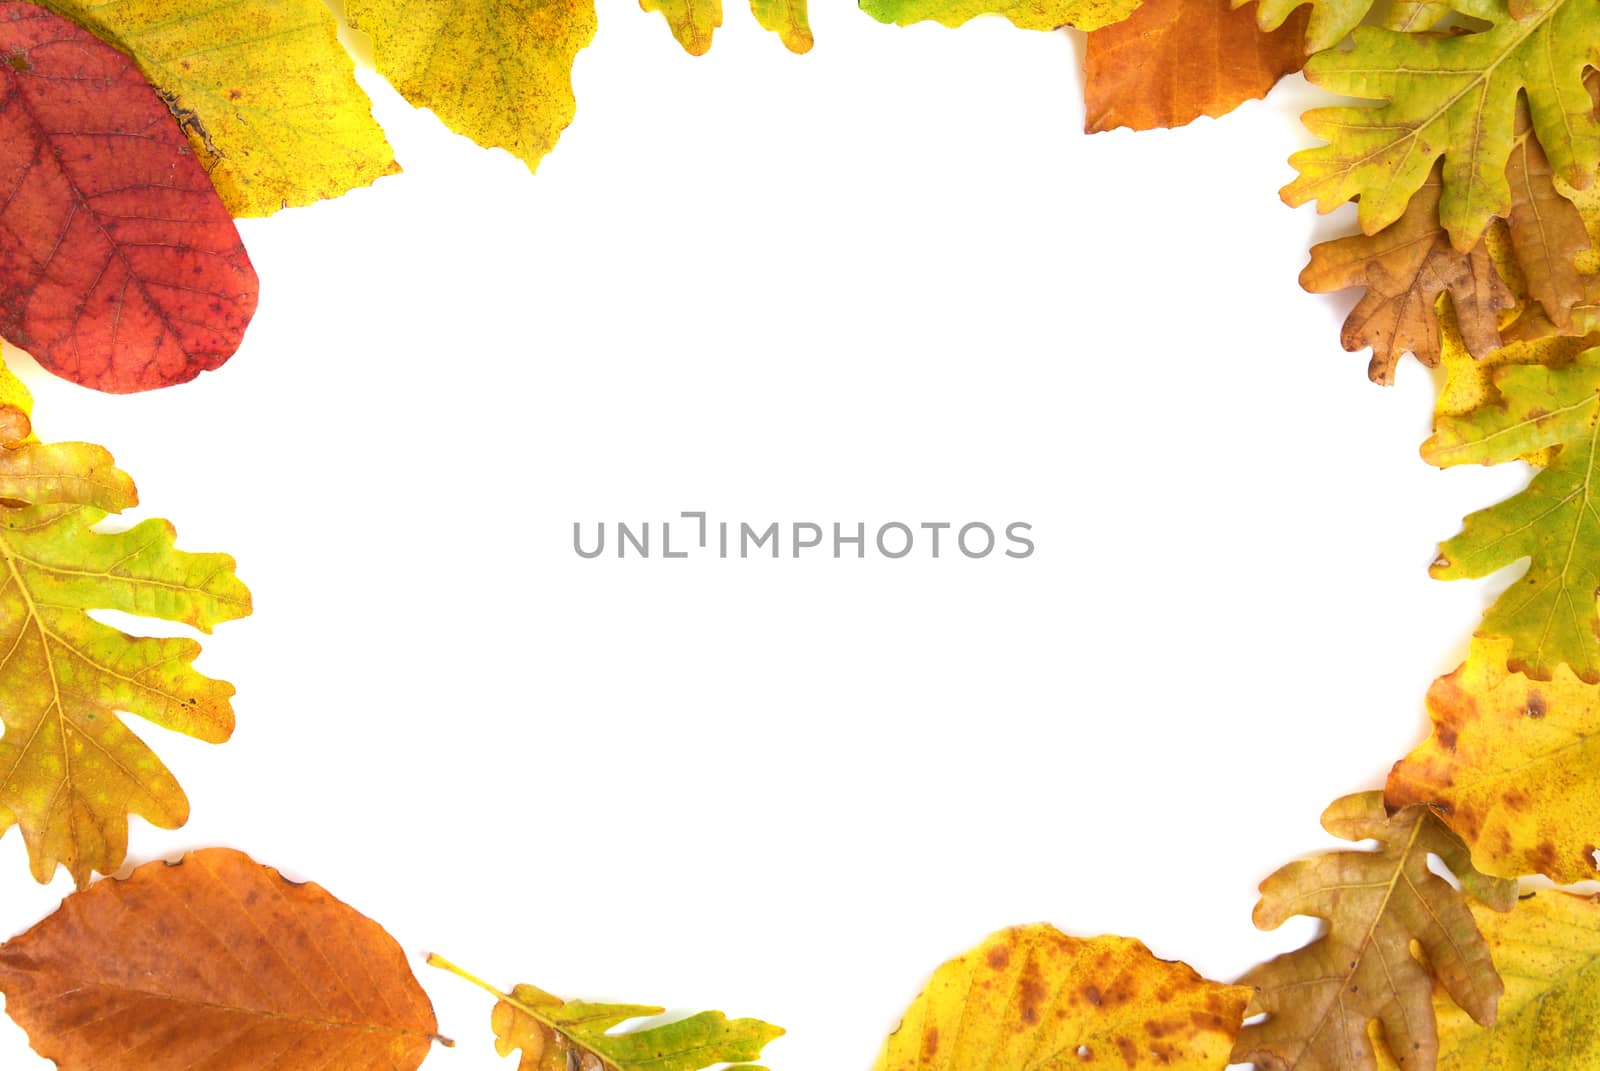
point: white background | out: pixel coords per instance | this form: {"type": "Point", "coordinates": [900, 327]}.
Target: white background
{"type": "Point", "coordinates": [890, 280]}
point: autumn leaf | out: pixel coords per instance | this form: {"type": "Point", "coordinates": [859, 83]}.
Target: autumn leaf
{"type": "Point", "coordinates": [1548, 952]}
{"type": "Point", "coordinates": [1550, 615]}
{"type": "Point", "coordinates": [119, 268]}
{"type": "Point", "coordinates": [1032, 997]}
{"type": "Point", "coordinates": [694, 21]}
{"type": "Point", "coordinates": [1172, 61]}
{"type": "Point", "coordinates": [1331, 21]}
{"type": "Point", "coordinates": [1320, 1000]}
{"type": "Point", "coordinates": [265, 91]}
{"type": "Point", "coordinates": [1453, 96]}
{"type": "Point", "coordinates": [1547, 231]}
{"type": "Point", "coordinates": [216, 962]}
{"type": "Point", "coordinates": [1025, 14]}
{"type": "Point", "coordinates": [500, 73]}
{"type": "Point", "coordinates": [1511, 767]}
{"type": "Point", "coordinates": [557, 1035]}
{"type": "Point", "coordinates": [1404, 268]}
{"type": "Point", "coordinates": [70, 770]}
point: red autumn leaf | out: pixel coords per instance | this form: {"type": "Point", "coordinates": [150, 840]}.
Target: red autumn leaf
{"type": "Point", "coordinates": [119, 267]}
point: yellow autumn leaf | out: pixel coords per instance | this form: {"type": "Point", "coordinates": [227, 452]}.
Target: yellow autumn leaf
{"type": "Point", "coordinates": [264, 89]}
{"type": "Point", "coordinates": [1548, 953]}
{"type": "Point", "coordinates": [1024, 14]}
{"type": "Point", "coordinates": [1032, 997]}
{"type": "Point", "coordinates": [693, 22]}
{"type": "Point", "coordinates": [500, 73]}
{"type": "Point", "coordinates": [1511, 767]}
{"type": "Point", "coordinates": [71, 772]}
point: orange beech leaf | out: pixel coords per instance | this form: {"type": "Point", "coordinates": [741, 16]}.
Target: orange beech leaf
{"type": "Point", "coordinates": [1172, 61]}
{"type": "Point", "coordinates": [214, 964]}
{"type": "Point", "coordinates": [119, 266]}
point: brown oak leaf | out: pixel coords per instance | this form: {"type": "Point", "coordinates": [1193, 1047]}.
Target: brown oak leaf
{"type": "Point", "coordinates": [1322, 1002]}
{"type": "Point", "coordinates": [1404, 268]}
{"type": "Point", "coordinates": [1547, 230]}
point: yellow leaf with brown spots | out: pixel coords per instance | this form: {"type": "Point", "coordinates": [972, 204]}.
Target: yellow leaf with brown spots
{"type": "Point", "coordinates": [1031, 997]}
{"type": "Point", "coordinates": [264, 90]}
{"type": "Point", "coordinates": [1548, 952]}
{"type": "Point", "coordinates": [1511, 767]}
{"type": "Point", "coordinates": [499, 72]}
{"type": "Point", "coordinates": [694, 21]}
{"type": "Point", "coordinates": [71, 772]}
{"type": "Point", "coordinates": [1324, 1003]}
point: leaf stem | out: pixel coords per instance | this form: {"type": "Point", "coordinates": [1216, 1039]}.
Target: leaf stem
{"type": "Point", "coordinates": [436, 960]}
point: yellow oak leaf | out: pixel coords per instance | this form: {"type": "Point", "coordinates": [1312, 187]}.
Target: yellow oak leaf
{"type": "Point", "coordinates": [694, 21]}
{"type": "Point", "coordinates": [1511, 767]}
{"type": "Point", "coordinates": [1324, 1004]}
{"type": "Point", "coordinates": [498, 72]}
{"type": "Point", "coordinates": [1548, 952]}
{"type": "Point", "coordinates": [264, 89]}
{"type": "Point", "coordinates": [560, 1035]}
{"type": "Point", "coordinates": [1452, 96]}
{"type": "Point", "coordinates": [1025, 14]}
{"type": "Point", "coordinates": [1033, 997]}
{"type": "Point", "coordinates": [70, 771]}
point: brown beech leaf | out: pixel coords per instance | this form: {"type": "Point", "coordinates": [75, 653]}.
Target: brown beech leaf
{"type": "Point", "coordinates": [1404, 268]}
{"type": "Point", "coordinates": [1547, 230]}
{"type": "Point", "coordinates": [119, 266]}
{"type": "Point", "coordinates": [1172, 61]}
{"type": "Point", "coordinates": [1322, 1001]}
{"type": "Point", "coordinates": [214, 964]}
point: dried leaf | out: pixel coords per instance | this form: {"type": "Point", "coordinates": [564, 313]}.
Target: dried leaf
{"type": "Point", "coordinates": [1511, 767]}
{"type": "Point", "coordinates": [1547, 231]}
{"type": "Point", "coordinates": [500, 73]}
{"type": "Point", "coordinates": [119, 268]}
{"type": "Point", "coordinates": [70, 770]}
{"type": "Point", "coordinates": [1550, 615]}
{"type": "Point", "coordinates": [1548, 952]}
{"type": "Point", "coordinates": [265, 90]}
{"type": "Point", "coordinates": [1172, 61]}
{"type": "Point", "coordinates": [215, 963]}
{"type": "Point", "coordinates": [557, 1035]}
{"type": "Point", "coordinates": [1404, 268]}
{"type": "Point", "coordinates": [1025, 14]}
{"type": "Point", "coordinates": [1453, 96]}
{"type": "Point", "coordinates": [1032, 997]}
{"type": "Point", "coordinates": [1321, 1000]}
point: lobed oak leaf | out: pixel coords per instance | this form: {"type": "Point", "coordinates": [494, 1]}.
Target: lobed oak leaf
{"type": "Point", "coordinates": [557, 1035]}
{"type": "Point", "coordinates": [1548, 952]}
{"type": "Point", "coordinates": [1324, 1003]}
{"type": "Point", "coordinates": [1331, 21]}
{"type": "Point", "coordinates": [1172, 61]}
{"type": "Point", "coordinates": [500, 73]}
{"type": "Point", "coordinates": [693, 22]}
{"type": "Point", "coordinates": [218, 963]}
{"type": "Point", "coordinates": [1510, 767]}
{"type": "Point", "coordinates": [1404, 269]}
{"type": "Point", "coordinates": [1453, 96]}
{"type": "Point", "coordinates": [1550, 615]}
{"type": "Point", "coordinates": [119, 268]}
{"type": "Point", "coordinates": [1025, 14]}
{"type": "Point", "coordinates": [70, 771]}
{"type": "Point", "coordinates": [264, 90]}
{"type": "Point", "coordinates": [1033, 997]}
